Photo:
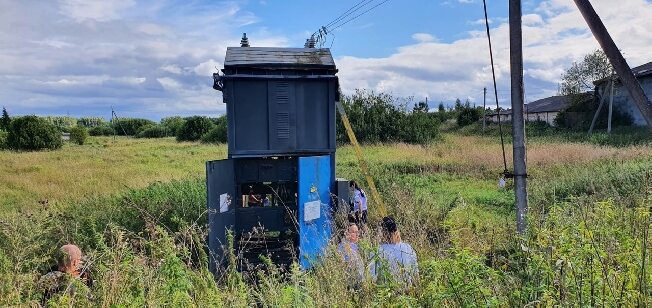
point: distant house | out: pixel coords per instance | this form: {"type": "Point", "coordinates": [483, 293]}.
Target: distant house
{"type": "Point", "coordinates": [505, 116]}
{"type": "Point", "coordinates": [622, 100]}
{"type": "Point", "coordinates": [545, 109]}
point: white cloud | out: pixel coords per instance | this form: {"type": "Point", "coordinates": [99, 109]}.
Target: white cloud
{"type": "Point", "coordinates": [99, 10]}
{"type": "Point", "coordinates": [147, 59]}
{"type": "Point", "coordinates": [554, 36]}
{"type": "Point", "coordinates": [423, 37]}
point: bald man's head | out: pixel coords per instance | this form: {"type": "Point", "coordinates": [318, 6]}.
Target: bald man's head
{"type": "Point", "coordinates": [69, 259]}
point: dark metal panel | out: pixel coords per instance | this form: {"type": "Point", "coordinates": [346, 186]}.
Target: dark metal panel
{"type": "Point", "coordinates": [313, 115]}
{"type": "Point", "coordinates": [220, 187]}
{"type": "Point", "coordinates": [250, 117]}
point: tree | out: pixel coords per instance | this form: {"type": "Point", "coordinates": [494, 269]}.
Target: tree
{"type": "Point", "coordinates": [5, 121]}
{"type": "Point", "coordinates": [33, 133]}
{"type": "Point", "coordinates": [579, 77]}
{"type": "Point", "coordinates": [420, 107]}
{"type": "Point", "coordinates": [194, 128]}
{"type": "Point", "coordinates": [441, 108]}
{"type": "Point", "coordinates": [458, 105]}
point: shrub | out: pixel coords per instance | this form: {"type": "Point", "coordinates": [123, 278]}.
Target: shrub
{"type": "Point", "coordinates": [194, 128]}
{"type": "Point", "coordinates": [3, 140]}
{"type": "Point", "coordinates": [173, 124]}
{"type": "Point", "coordinates": [153, 131]}
{"type": "Point", "coordinates": [468, 115]}
{"type": "Point", "coordinates": [130, 126]}
{"type": "Point", "coordinates": [104, 130]}
{"type": "Point", "coordinates": [78, 135]}
{"type": "Point", "coordinates": [63, 123]}
{"type": "Point", "coordinates": [420, 128]}
{"type": "Point", "coordinates": [90, 122]}
{"type": "Point", "coordinates": [216, 135]}
{"type": "Point", "coordinates": [33, 133]}
{"type": "Point", "coordinates": [383, 118]}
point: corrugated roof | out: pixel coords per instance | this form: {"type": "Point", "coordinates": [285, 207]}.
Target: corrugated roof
{"type": "Point", "coordinates": [548, 104]}
{"type": "Point", "coordinates": [639, 71]}
{"type": "Point", "coordinates": [278, 57]}
{"type": "Point", "coordinates": [553, 103]}
{"type": "Point", "coordinates": [643, 70]}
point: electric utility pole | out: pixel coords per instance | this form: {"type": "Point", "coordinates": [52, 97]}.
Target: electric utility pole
{"type": "Point", "coordinates": [518, 124]}
{"type": "Point", "coordinates": [616, 58]}
{"type": "Point", "coordinates": [484, 110]}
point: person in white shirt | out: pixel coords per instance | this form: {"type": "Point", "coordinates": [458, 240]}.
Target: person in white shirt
{"type": "Point", "coordinates": [395, 257]}
{"type": "Point", "coordinates": [359, 203]}
{"type": "Point", "coordinates": [348, 248]}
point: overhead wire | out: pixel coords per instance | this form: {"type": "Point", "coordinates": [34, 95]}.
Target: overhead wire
{"type": "Point", "coordinates": [356, 16]}
{"type": "Point", "coordinates": [493, 73]}
{"type": "Point", "coordinates": [350, 11]}
{"type": "Point", "coordinates": [344, 19]}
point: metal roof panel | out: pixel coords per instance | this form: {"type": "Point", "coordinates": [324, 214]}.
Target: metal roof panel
{"type": "Point", "coordinates": [278, 57]}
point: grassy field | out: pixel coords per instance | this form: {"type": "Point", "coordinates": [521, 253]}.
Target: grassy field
{"type": "Point", "coordinates": [101, 167]}
{"type": "Point", "coordinates": [587, 245]}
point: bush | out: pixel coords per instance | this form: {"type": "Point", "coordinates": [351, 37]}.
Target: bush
{"type": "Point", "coordinates": [153, 131]}
{"type": "Point", "coordinates": [468, 115]}
{"type": "Point", "coordinates": [91, 122]}
{"type": "Point", "coordinates": [130, 126]}
{"type": "Point", "coordinates": [63, 123]}
{"type": "Point", "coordinates": [383, 118]}
{"type": "Point", "coordinates": [420, 128]}
{"type": "Point", "coordinates": [3, 140]}
{"type": "Point", "coordinates": [78, 135]}
{"type": "Point", "coordinates": [194, 128]}
{"type": "Point", "coordinates": [33, 133]}
{"type": "Point", "coordinates": [104, 130]}
{"type": "Point", "coordinates": [173, 124]}
{"type": "Point", "coordinates": [216, 135]}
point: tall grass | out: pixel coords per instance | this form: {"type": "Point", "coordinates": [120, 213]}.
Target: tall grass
{"type": "Point", "coordinates": [588, 242]}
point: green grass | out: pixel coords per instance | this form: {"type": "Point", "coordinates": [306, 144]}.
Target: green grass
{"type": "Point", "coordinates": [101, 167]}
{"type": "Point", "coordinates": [589, 226]}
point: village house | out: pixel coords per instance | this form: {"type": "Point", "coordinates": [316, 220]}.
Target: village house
{"type": "Point", "coordinates": [621, 100]}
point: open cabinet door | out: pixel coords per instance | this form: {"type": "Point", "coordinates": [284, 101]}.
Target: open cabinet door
{"type": "Point", "coordinates": [314, 207]}
{"type": "Point", "coordinates": [220, 186]}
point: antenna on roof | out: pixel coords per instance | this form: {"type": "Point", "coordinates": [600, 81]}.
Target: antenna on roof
{"type": "Point", "coordinates": [244, 42]}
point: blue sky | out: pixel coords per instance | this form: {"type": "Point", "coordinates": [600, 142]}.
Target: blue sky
{"type": "Point", "coordinates": [154, 58]}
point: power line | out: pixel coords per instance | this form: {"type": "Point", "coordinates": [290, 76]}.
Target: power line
{"type": "Point", "coordinates": [350, 11]}
{"type": "Point", "coordinates": [342, 20]}
{"type": "Point", "coordinates": [356, 16]}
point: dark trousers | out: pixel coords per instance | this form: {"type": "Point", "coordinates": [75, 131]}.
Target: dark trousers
{"type": "Point", "coordinates": [361, 217]}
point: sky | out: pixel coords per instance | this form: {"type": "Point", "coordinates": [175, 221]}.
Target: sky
{"type": "Point", "coordinates": [155, 58]}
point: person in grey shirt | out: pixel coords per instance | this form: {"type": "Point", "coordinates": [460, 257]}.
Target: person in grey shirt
{"type": "Point", "coordinates": [395, 258]}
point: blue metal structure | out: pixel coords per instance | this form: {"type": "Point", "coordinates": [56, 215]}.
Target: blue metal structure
{"type": "Point", "coordinates": [273, 193]}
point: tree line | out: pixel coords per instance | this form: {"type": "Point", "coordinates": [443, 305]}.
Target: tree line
{"type": "Point", "coordinates": [375, 118]}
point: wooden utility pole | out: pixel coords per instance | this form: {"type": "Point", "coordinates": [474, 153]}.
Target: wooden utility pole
{"type": "Point", "coordinates": [616, 58]}
{"type": "Point", "coordinates": [484, 110]}
{"type": "Point", "coordinates": [611, 105]}
{"type": "Point", "coordinates": [597, 112]}
{"type": "Point", "coordinates": [518, 124]}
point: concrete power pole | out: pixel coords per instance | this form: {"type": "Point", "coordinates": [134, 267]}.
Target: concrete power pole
{"type": "Point", "coordinates": [616, 58]}
{"type": "Point", "coordinates": [518, 124]}
{"type": "Point", "coordinates": [484, 110]}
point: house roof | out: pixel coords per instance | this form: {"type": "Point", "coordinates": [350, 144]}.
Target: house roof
{"type": "Point", "coordinates": [279, 57]}
{"type": "Point", "coordinates": [639, 71]}
{"type": "Point", "coordinates": [552, 104]}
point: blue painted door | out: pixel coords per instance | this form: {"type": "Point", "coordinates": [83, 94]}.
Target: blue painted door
{"type": "Point", "coordinates": [314, 208]}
